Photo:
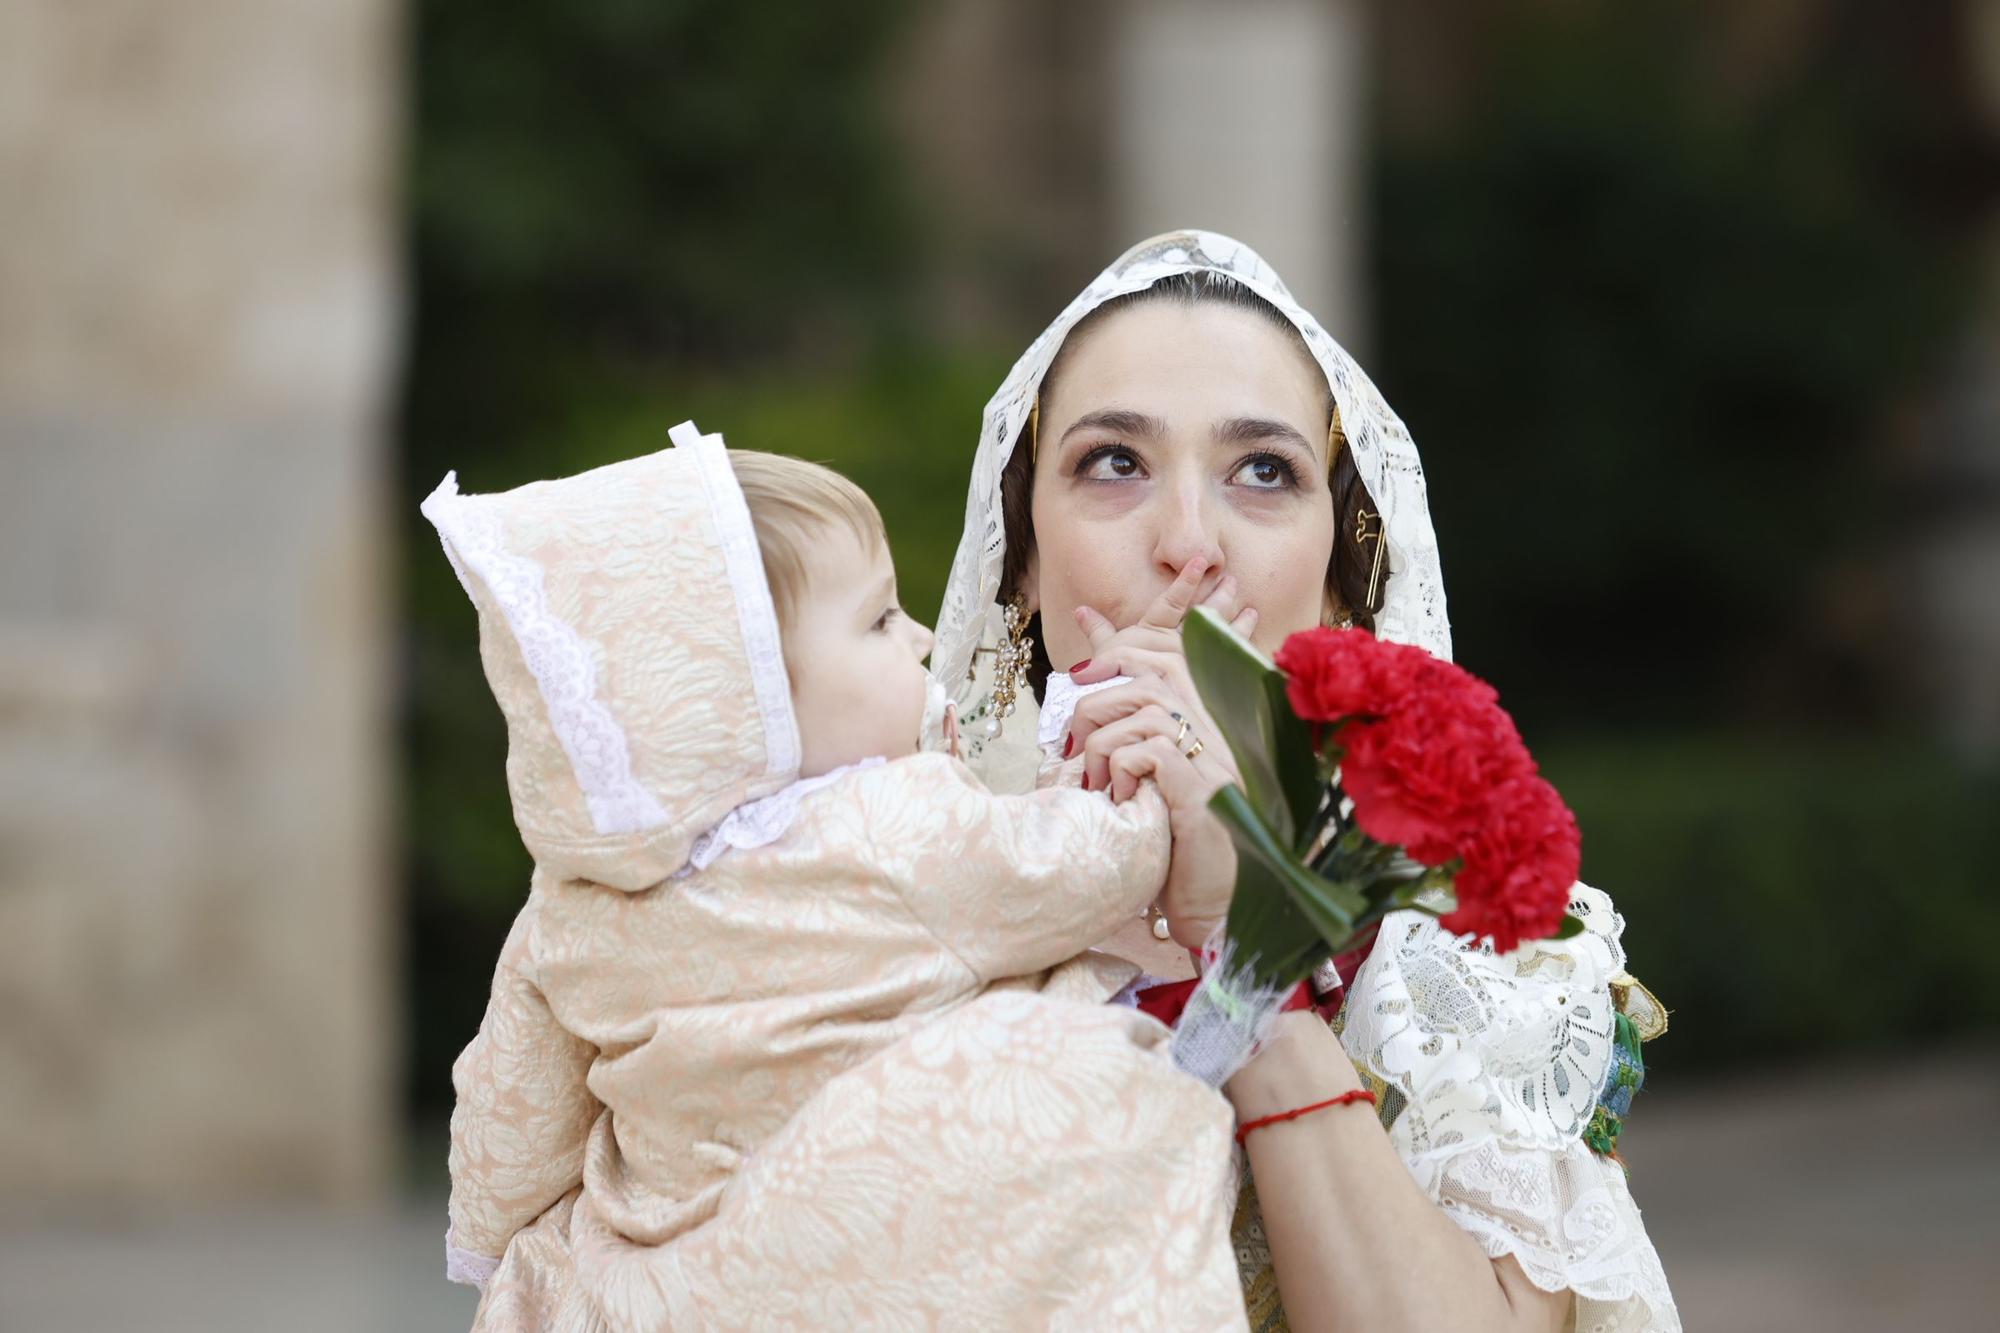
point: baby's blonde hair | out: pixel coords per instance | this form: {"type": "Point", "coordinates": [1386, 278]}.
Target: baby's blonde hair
{"type": "Point", "coordinates": [792, 501]}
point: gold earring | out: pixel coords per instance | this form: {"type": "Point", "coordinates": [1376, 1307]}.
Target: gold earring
{"type": "Point", "coordinates": [1034, 428]}
{"type": "Point", "coordinates": [1361, 534]}
{"type": "Point", "coordinates": [1010, 666]}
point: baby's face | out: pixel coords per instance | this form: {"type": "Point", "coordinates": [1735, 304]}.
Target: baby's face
{"type": "Point", "coordinates": [855, 659]}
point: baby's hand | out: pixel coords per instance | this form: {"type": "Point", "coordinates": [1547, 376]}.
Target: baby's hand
{"type": "Point", "coordinates": [1202, 878]}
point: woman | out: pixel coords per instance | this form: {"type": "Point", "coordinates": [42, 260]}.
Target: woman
{"type": "Point", "coordinates": [1184, 433]}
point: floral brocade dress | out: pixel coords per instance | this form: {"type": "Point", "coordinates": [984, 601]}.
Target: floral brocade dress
{"type": "Point", "coordinates": [1546, 1184]}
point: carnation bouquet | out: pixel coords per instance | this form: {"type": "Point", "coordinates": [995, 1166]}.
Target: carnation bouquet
{"type": "Point", "coordinates": [1375, 777]}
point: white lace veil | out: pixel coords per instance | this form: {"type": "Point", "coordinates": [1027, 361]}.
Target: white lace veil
{"type": "Point", "coordinates": [1412, 609]}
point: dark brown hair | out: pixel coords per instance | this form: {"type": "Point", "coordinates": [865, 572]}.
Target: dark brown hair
{"type": "Point", "coordinates": [1346, 573]}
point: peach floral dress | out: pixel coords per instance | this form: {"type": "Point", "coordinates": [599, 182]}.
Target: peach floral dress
{"type": "Point", "coordinates": [780, 1054]}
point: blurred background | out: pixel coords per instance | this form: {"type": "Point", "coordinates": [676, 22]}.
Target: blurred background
{"type": "Point", "coordinates": [1694, 308]}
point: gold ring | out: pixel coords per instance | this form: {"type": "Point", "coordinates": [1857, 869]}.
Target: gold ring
{"type": "Point", "coordinates": [1193, 750]}
{"type": "Point", "coordinates": [1181, 735]}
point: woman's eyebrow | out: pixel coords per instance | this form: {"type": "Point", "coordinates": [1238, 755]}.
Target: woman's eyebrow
{"type": "Point", "coordinates": [1259, 430]}
{"type": "Point", "coordinates": [1119, 421]}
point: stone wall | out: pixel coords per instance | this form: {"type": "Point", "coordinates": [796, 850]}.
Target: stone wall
{"type": "Point", "coordinates": [197, 310]}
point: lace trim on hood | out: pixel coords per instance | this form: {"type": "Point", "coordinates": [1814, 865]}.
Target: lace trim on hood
{"type": "Point", "coordinates": [556, 656]}
{"type": "Point", "coordinates": [754, 609]}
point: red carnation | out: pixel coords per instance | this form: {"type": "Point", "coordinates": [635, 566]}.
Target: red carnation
{"type": "Point", "coordinates": [1520, 863]}
{"type": "Point", "coordinates": [1337, 673]}
{"type": "Point", "coordinates": [1423, 777]}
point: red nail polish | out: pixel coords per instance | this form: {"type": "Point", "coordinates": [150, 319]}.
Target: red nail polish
{"type": "Point", "coordinates": [1069, 743]}
{"type": "Point", "coordinates": [1079, 666]}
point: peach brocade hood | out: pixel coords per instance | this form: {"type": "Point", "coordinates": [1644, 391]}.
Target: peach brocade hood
{"type": "Point", "coordinates": [628, 634]}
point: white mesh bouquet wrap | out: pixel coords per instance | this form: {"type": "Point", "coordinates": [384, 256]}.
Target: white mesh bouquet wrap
{"type": "Point", "coordinates": [1227, 1018]}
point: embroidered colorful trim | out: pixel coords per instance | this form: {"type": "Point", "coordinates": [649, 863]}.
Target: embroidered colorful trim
{"type": "Point", "coordinates": [1625, 1077]}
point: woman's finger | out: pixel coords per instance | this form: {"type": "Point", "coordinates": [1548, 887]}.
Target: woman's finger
{"type": "Point", "coordinates": [1107, 740]}
{"type": "Point", "coordinates": [1245, 623]}
{"type": "Point", "coordinates": [1157, 757]}
{"type": "Point", "coordinates": [1170, 608]}
{"type": "Point", "coordinates": [1159, 678]}
{"type": "Point", "coordinates": [1225, 598]}
{"type": "Point", "coordinates": [1206, 767]}
{"type": "Point", "coordinates": [1106, 706]}
{"type": "Point", "coordinates": [1109, 650]}
{"type": "Point", "coordinates": [1141, 650]}
{"type": "Point", "coordinates": [1130, 765]}
{"type": "Point", "coordinates": [1096, 628]}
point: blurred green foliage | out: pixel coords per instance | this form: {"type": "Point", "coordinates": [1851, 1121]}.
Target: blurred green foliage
{"type": "Point", "coordinates": [1790, 900]}
{"type": "Point", "coordinates": [1649, 331]}
{"type": "Point", "coordinates": [1647, 336]}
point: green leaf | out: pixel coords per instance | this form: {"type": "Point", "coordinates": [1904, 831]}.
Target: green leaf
{"type": "Point", "coordinates": [1244, 692]}
{"type": "Point", "coordinates": [1296, 761]}
{"type": "Point", "coordinates": [1283, 915]}
{"type": "Point", "coordinates": [1569, 929]}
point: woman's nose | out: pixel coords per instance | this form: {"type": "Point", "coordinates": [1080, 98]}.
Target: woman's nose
{"type": "Point", "coordinates": [924, 639]}
{"type": "Point", "coordinates": [1186, 531]}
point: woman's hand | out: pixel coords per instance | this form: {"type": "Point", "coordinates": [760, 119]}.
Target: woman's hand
{"type": "Point", "coordinates": [1150, 652]}
{"type": "Point", "coordinates": [1202, 876]}
{"type": "Point", "coordinates": [1146, 728]}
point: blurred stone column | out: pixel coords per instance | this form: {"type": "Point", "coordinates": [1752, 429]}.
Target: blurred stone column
{"type": "Point", "coordinates": [1250, 119]}
{"type": "Point", "coordinates": [197, 312]}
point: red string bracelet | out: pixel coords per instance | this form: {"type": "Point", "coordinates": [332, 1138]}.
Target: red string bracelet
{"type": "Point", "coordinates": [1358, 1095]}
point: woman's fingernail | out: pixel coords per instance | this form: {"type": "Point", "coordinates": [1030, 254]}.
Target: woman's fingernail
{"type": "Point", "coordinates": [1079, 666]}
{"type": "Point", "coordinates": [1069, 743]}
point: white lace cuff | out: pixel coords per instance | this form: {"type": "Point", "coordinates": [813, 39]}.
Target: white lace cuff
{"type": "Point", "coordinates": [1060, 696]}
{"type": "Point", "coordinates": [466, 1266]}
{"type": "Point", "coordinates": [1569, 1221]}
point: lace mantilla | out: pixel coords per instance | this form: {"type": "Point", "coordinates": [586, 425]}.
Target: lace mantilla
{"type": "Point", "coordinates": [563, 665]}
{"type": "Point", "coordinates": [761, 822]}
{"type": "Point", "coordinates": [1059, 700]}
{"type": "Point", "coordinates": [1413, 607]}
{"type": "Point", "coordinates": [754, 610]}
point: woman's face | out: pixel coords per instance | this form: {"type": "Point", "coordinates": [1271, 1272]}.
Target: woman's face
{"type": "Point", "coordinates": [1171, 432]}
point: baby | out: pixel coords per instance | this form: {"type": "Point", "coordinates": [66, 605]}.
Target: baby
{"type": "Point", "coordinates": [751, 896]}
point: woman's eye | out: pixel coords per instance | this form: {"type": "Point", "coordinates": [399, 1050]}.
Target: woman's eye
{"type": "Point", "coordinates": [1266, 472]}
{"type": "Point", "coordinates": [1109, 463]}
{"type": "Point", "coordinates": [882, 621]}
